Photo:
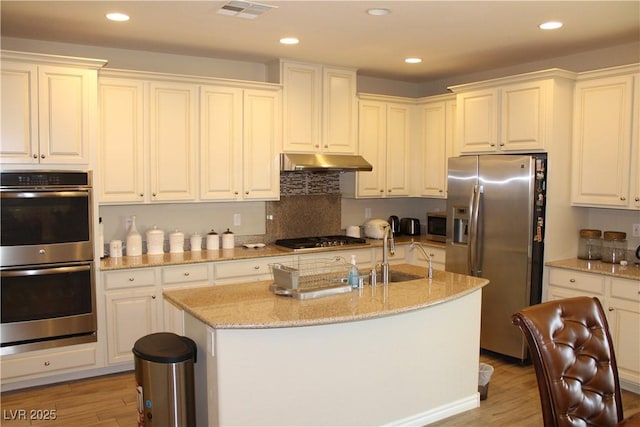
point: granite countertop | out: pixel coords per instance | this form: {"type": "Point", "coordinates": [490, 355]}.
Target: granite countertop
{"type": "Point", "coordinates": [238, 253]}
{"type": "Point", "coordinates": [630, 271]}
{"type": "Point", "coordinates": [253, 306]}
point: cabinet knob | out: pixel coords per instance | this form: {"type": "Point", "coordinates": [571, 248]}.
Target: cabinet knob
{"type": "Point", "coordinates": [441, 191]}
{"type": "Point", "coordinates": [42, 156]}
{"type": "Point", "coordinates": [235, 193]}
{"type": "Point", "coordinates": [141, 194]}
{"type": "Point", "coordinates": [47, 363]}
{"type": "Point", "coordinates": [502, 144]}
{"type": "Point", "coordinates": [153, 194]}
{"type": "Point", "coordinates": [611, 308]}
{"type": "Point", "coordinates": [246, 192]}
{"type": "Point", "coordinates": [492, 145]}
{"type": "Point", "coordinates": [317, 145]}
{"type": "Point", "coordinates": [389, 190]}
{"type": "Point", "coordinates": [623, 198]}
{"type": "Point", "coordinates": [153, 297]}
{"type": "Point", "coordinates": [572, 280]}
{"type": "Point", "coordinates": [35, 156]}
{"type": "Point", "coordinates": [186, 273]}
{"type": "Point", "coordinates": [132, 279]}
{"type": "Point", "coordinates": [637, 199]}
{"type": "Point", "coordinates": [326, 146]}
{"type": "Point", "coordinates": [381, 190]}
{"type": "Point", "coordinates": [256, 267]}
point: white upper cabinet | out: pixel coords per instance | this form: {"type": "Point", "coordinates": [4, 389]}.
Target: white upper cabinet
{"type": "Point", "coordinates": [49, 109]}
{"type": "Point", "coordinates": [514, 114]}
{"type": "Point", "coordinates": [184, 139]}
{"type": "Point", "coordinates": [384, 141]}
{"type": "Point", "coordinates": [240, 137]}
{"type": "Point", "coordinates": [262, 133]}
{"type": "Point", "coordinates": [319, 108]}
{"type": "Point", "coordinates": [434, 145]}
{"type": "Point", "coordinates": [122, 169]}
{"type": "Point", "coordinates": [173, 140]}
{"type": "Point", "coordinates": [606, 151]}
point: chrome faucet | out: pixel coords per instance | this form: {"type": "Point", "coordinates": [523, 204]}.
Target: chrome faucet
{"type": "Point", "coordinates": [419, 246]}
{"type": "Point", "coordinates": [388, 246]}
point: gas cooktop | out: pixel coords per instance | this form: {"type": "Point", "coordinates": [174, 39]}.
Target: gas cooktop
{"type": "Point", "coordinates": [308, 243]}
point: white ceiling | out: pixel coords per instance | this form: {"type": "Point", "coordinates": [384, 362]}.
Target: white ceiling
{"type": "Point", "coordinates": [453, 37]}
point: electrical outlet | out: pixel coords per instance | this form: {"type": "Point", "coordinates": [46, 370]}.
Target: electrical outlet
{"type": "Point", "coordinates": [367, 213]}
{"type": "Point", "coordinates": [237, 219]}
{"type": "Point", "coordinates": [636, 230]}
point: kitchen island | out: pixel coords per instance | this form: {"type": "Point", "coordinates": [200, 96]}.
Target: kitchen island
{"type": "Point", "coordinates": [406, 353]}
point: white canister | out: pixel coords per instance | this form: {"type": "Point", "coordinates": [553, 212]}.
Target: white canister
{"type": "Point", "coordinates": [155, 241]}
{"type": "Point", "coordinates": [115, 248]}
{"type": "Point", "coordinates": [196, 242]}
{"type": "Point", "coordinates": [353, 231]}
{"type": "Point", "coordinates": [213, 241]}
{"type": "Point", "coordinates": [176, 242]}
{"type": "Point", "coordinates": [228, 240]}
{"type": "Point", "coordinates": [134, 239]}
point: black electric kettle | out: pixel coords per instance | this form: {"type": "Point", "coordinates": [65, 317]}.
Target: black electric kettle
{"type": "Point", "coordinates": [394, 222]}
{"type": "Point", "coordinates": [638, 252]}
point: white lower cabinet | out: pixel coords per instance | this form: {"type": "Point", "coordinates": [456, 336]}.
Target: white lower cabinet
{"type": "Point", "coordinates": [134, 305]}
{"type": "Point", "coordinates": [181, 277]}
{"type": "Point", "coordinates": [44, 362]}
{"type": "Point", "coordinates": [620, 299]}
{"type": "Point", "coordinates": [131, 309]}
{"type": "Point", "coordinates": [247, 270]}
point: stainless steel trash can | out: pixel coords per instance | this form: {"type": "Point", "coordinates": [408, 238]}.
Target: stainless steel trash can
{"type": "Point", "coordinates": [165, 383]}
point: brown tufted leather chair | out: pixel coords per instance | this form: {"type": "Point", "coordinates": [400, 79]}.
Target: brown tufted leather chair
{"type": "Point", "coordinates": [572, 352]}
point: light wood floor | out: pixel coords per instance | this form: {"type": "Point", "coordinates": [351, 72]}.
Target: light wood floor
{"type": "Point", "coordinates": [110, 401]}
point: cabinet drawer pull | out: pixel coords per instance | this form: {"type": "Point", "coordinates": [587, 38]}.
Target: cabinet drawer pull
{"type": "Point", "coordinates": [572, 280]}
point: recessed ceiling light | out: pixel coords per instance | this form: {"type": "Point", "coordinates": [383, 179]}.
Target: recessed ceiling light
{"type": "Point", "coordinates": [551, 25]}
{"type": "Point", "coordinates": [378, 11]}
{"type": "Point", "coordinates": [117, 16]}
{"type": "Point", "coordinates": [413, 60]}
{"type": "Point", "coordinates": [289, 40]}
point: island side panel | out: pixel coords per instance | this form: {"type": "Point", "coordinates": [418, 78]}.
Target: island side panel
{"type": "Point", "coordinates": [415, 367]}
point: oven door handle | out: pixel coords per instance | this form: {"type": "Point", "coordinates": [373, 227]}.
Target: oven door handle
{"type": "Point", "coordinates": [45, 271]}
{"type": "Point", "coordinates": [42, 194]}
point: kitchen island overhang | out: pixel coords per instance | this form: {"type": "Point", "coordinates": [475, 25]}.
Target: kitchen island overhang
{"type": "Point", "coordinates": [376, 356]}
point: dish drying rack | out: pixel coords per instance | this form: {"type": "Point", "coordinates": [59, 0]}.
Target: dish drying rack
{"type": "Point", "coordinates": [310, 279]}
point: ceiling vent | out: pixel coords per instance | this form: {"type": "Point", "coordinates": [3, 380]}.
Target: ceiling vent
{"type": "Point", "coordinates": [244, 9]}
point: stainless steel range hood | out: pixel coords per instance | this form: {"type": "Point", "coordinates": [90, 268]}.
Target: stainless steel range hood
{"type": "Point", "coordinates": [323, 162]}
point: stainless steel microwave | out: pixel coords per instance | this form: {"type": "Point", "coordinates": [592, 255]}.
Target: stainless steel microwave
{"type": "Point", "coordinates": [437, 226]}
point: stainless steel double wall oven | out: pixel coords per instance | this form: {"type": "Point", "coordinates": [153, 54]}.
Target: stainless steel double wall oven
{"type": "Point", "coordinates": [47, 286]}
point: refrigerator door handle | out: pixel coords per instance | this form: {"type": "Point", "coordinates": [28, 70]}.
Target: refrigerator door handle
{"type": "Point", "coordinates": [474, 212]}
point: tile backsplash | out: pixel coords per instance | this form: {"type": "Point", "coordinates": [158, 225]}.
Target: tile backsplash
{"type": "Point", "coordinates": [309, 205]}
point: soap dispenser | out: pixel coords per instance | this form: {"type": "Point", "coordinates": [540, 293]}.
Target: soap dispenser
{"type": "Point", "coordinates": [354, 274]}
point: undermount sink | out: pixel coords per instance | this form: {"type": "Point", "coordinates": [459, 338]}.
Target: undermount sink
{"type": "Point", "coordinates": [399, 276]}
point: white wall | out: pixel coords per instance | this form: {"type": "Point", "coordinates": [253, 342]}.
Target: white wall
{"type": "Point", "coordinates": [187, 217]}
{"type": "Point", "coordinates": [614, 220]}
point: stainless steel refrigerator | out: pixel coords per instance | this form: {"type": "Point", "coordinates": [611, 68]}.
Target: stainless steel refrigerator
{"type": "Point", "coordinates": [495, 230]}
